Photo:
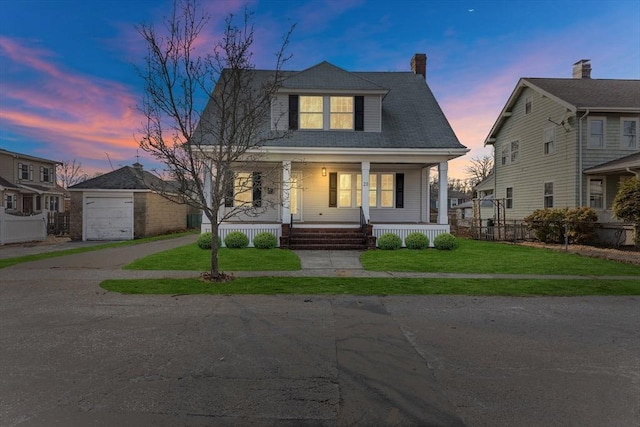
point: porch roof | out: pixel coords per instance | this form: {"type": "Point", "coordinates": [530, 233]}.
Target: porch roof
{"type": "Point", "coordinates": [622, 164]}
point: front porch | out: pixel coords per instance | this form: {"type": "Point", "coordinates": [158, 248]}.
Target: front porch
{"type": "Point", "coordinates": [284, 230]}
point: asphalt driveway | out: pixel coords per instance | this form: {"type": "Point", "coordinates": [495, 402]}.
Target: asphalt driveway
{"type": "Point", "coordinates": [74, 354]}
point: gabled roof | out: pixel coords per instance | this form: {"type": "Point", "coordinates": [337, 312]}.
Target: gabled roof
{"type": "Point", "coordinates": [27, 157]}
{"type": "Point", "coordinates": [327, 77]}
{"type": "Point", "coordinates": [125, 178]}
{"type": "Point", "coordinates": [623, 164]}
{"type": "Point", "coordinates": [595, 95]}
{"type": "Point", "coordinates": [6, 184]}
{"type": "Point", "coordinates": [411, 116]}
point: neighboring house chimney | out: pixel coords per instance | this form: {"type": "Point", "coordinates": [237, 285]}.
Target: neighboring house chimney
{"type": "Point", "coordinates": [419, 64]}
{"type": "Point", "coordinates": [582, 69]}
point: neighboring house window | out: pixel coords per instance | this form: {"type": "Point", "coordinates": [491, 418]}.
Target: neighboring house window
{"type": "Point", "coordinates": [527, 105]}
{"type": "Point", "coordinates": [341, 112]}
{"type": "Point", "coordinates": [549, 136]}
{"type": "Point", "coordinates": [506, 154]}
{"type": "Point", "coordinates": [453, 203]}
{"type": "Point", "coordinates": [509, 198]}
{"type": "Point", "coordinates": [10, 201]}
{"type": "Point", "coordinates": [629, 132]}
{"type": "Point", "coordinates": [548, 194]}
{"type": "Point", "coordinates": [515, 151]}
{"type": "Point", "coordinates": [596, 132]}
{"type": "Point", "coordinates": [46, 174]}
{"type": "Point", "coordinates": [25, 172]}
{"type": "Point", "coordinates": [596, 193]}
{"type": "Point", "coordinates": [311, 112]}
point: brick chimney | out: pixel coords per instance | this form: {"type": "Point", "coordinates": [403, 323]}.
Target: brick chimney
{"type": "Point", "coordinates": [582, 69]}
{"type": "Point", "coordinates": [419, 64]}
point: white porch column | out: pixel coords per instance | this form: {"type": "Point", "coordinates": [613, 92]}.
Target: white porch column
{"type": "Point", "coordinates": [443, 197]}
{"type": "Point", "coordinates": [364, 190]}
{"type": "Point", "coordinates": [425, 214]}
{"type": "Point", "coordinates": [207, 181]}
{"type": "Point", "coordinates": [286, 192]}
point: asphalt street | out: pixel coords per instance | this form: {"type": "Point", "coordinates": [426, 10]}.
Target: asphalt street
{"type": "Point", "coordinates": [73, 354]}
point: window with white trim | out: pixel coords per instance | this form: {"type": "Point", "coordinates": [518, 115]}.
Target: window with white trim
{"type": "Point", "coordinates": [387, 190]}
{"type": "Point", "coordinates": [25, 172]}
{"type": "Point", "coordinates": [453, 203]}
{"type": "Point", "coordinates": [515, 151]}
{"type": "Point", "coordinates": [596, 132]}
{"type": "Point", "coordinates": [629, 132]}
{"type": "Point", "coordinates": [373, 190]}
{"type": "Point", "coordinates": [548, 194]}
{"type": "Point", "coordinates": [46, 174]}
{"type": "Point", "coordinates": [345, 188]}
{"type": "Point", "coordinates": [381, 190]}
{"type": "Point", "coordinates": [506, 155]}
{"type": "Point", "coordinates": [311, 112]}
{"type": "Point", "coordinates": [548, 139]}
{"type": "Point", "coordinates": [596, 193]}
{"type": "Point", "coordinates": [341, 112]}
{"type": "Point", "coordinates": [10, 201]}
{"type": "Point", "coordinates": [508, 200]}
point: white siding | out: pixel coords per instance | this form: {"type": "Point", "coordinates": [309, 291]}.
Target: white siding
{"type": "Point", "coordinates": [373, 113]}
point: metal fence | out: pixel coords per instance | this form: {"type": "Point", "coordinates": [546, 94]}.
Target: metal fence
{"type": "Point", "coordinates": [58, 223]}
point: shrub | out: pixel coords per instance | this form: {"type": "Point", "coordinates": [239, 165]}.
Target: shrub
{"type": "Point", "coordinates": [236, 240]}
{"type": "Point", "coordinates": [204, 241]}
{"type": "Point", "coordinates": [548, 225]}
{"type": "Point", "coordinates": [389, 241]}
{"type": "Point", "coordinates": [265, 240]}
{"type": "Point", "coordinates": [445, 241]}
{"type": "Point", "coordinates": [416, 240]}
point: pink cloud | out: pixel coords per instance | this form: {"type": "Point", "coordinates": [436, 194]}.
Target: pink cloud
{"type": "Point", "coordinates": [78, 116]}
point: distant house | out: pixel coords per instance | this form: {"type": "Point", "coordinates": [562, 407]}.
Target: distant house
{"type": "Point", "coordinates": [562, 142]}
{"type": "Point", "coordinates": [28, 184]}
{"type": "Point", "coordinates": [360, 151]}
{"type": "Point", "coordinates": [28, 191]}
{"type": "Point", "coordinates": [122, 205]}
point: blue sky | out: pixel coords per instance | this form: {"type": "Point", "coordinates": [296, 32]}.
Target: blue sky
{"type": "Point", "coordinates": [68, 87]}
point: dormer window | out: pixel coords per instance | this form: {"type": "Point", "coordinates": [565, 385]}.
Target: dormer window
{"type": "Point", "coordinates": [311, 112]}
{"type": "Point", "coordinates": [341, 116]}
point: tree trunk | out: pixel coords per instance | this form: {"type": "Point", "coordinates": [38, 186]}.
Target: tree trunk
{"type": "Point", "coordinates": [215, 270]}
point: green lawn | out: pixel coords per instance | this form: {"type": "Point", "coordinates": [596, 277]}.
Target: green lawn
{"type": "Point", "coordinates": [375, 286]}
{"type": "Point", "coordinates": [7, 262]}
{"type": "Point", "coordinates": [474, 256]}
{"type": "Point", "coordinates": [191, 257]}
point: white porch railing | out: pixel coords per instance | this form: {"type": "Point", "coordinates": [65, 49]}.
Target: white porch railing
{"type": "Point", "coordinates": [18, 229]}
{"type": "Point", "coordinates": [403, 230]}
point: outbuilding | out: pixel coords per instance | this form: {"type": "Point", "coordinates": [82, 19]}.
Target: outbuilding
{"type": "Point", "coordinates": [123, 204]}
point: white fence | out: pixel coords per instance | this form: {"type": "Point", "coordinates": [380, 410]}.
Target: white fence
{"type": "Point", "coordinates": [18, 229]}
{"type": "Point", "coordinates": [403, 230]}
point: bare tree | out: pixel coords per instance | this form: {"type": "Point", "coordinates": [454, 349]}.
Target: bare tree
{"type": "Point", "coordinates": [479, 168]}
{"type": "Point", "coordinates": [71, 173]}
{"type": "Point", "coordinates": [201, 151]}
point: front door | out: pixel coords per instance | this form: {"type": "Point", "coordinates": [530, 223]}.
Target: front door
{"type": "Point", "coordinates": [296, 196]}
{"type": "Point", "coordinates": [27, 204]}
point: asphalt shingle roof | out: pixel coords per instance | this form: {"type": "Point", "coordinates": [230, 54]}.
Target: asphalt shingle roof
{"type": "Point", "coordinates": [592, 93]}
{"type": "Point", "coordinates": [411, 116]}
{"type": "Point", "coordinates": [125, 178]}
{"type": "Point", "coordinates": [632, 161]}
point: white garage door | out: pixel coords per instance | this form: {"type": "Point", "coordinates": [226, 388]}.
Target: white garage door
{"type": "Point", "coordinates": [108, 217]}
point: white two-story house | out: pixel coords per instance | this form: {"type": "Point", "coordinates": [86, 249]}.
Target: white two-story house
{"type": "Point", "coordinates": [565, 142]}
{"type": "Point", "coordinates": [377, 134]}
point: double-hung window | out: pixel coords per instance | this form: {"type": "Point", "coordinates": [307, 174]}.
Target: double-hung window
{"type": "Point", "coordinates": [548, 194]}
{"type": "Point", "coordinates": [311, 112]}
{"type": "Point", "coordinates": [25, 172]}
{"type": "Point", "coordinates": [596, 132]}
{"type": "Point", "coordinates": [506, 155]}
{"type": "Point", "coordinates": [596, 193]}
{"type": "Point", "coordinates": [341, 112]}
{"type": "Point", "coordinates": [515, 151]}
{"type": "Point", "coordinates": [373, 190]}
{"type": "Point", "coordinates": [382, 188]}
{"type": "Point", "coordinates": [548, 137]}
{"type": "Point", "coordinates": [629, 133]}
{"type": "Point", "coordinates": [10, 201]}
{"type": "Point", "coordinates": [509, 198]}
{"type": "Point", "coordinates": [46, 174]}
{"type": "Point", "coordinates": [245, 190]}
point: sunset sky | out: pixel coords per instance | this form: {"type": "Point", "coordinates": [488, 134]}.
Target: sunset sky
{"type": "Point", "coordinates": [69, 89]}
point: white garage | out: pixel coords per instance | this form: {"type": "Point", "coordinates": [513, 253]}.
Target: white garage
{"type": "Point", "coordinates": [108, 216]}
